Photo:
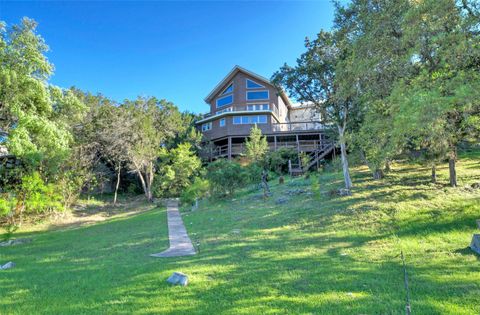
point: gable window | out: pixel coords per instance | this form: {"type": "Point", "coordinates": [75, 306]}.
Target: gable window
{"type": "Point", "coordinates": [224, 101]}
{"type": "Point", "coordinates": [228, 90]}
{"type": "Point", "coordinates": [253, 85]}
{"type": "Point", "coordinates": [222, 122]}
{"type": "Point", "coordinates": [257, 95]}
{"type": "Point", "coordinates": [255, 119]}
{"type": "Point", "coordinates": [207, 126]}
{"type": "Point", "coordinates": [253, 107]}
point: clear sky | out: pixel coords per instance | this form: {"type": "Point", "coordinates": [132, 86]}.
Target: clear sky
{"type": "Point", "coordinates": [173, 50]}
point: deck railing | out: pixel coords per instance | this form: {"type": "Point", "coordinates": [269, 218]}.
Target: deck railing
{"type": "Point", "coordinates": [297, 126]}
{"type": "Point", "coordinates": [301, 145]}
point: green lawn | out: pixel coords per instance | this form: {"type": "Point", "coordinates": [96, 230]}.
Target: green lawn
{"type": "Point", "coordinates": [315, 254]}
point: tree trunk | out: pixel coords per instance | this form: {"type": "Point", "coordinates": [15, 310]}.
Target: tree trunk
{"type": "Point", "coordinates": [149, 181]}
{"type": "Point", "coordinates": [119, 168]}
{"type": "Point", "coordinates": [434, 174]}
{"type": "Point", "coordinates": [451, 167]}
{"type": "Point", "coordinates": [343, 151]}
{"type": "Point", "coordinates": [143, 183]}
{"type": "Point", "coordinates": [388, 167]}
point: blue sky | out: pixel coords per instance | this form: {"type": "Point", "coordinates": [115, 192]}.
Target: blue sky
{"type": "Point", "coordinates": [173, 50]}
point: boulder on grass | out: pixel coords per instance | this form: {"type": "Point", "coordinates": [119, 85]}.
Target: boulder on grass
{"type": "Point", "coordinates": [178, 278]}
{"type": "Point", "coordinates": [475, 244]}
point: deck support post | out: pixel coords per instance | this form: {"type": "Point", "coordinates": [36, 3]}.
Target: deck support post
{"type": "Point", "coordinates": [298, 144]}
{"type": "Point", "coordinates": [229, 148]}
{"type": "Point", "coordinates": [275, 143]}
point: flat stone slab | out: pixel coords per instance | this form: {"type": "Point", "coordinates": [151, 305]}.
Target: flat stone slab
{"type": "Point", "coordinates": [180, 243]}
{"type": "Point", "coordinates": [8, 265]}
{"type": "Point", "coordinates": [178, 278]}
{"type": "Point", "coordinates": [16, 241]}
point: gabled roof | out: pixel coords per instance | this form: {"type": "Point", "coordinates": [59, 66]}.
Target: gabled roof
{"type": "Point", "coordinates": [234, 72]}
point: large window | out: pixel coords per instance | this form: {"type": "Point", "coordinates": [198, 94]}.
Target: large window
{"type": "Point", "coordinates": [222, 122]}
{"type": "Point", "coordinates": [255, 119]}
{"type": "Point", "coordinates": [257, 95]}
{"type": "Point", "coordinates": [228, 90]}
{"type": "Point", "coordinates": [253, 85]}
{"type": "Point", "coordinates": [207, 126]}
{"type": "Point", "coordinates": [224, 101]}
{"type": "Point", "coordinates": [253, 107]}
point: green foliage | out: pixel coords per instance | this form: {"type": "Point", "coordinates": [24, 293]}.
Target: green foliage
{"type": "Point", "coordinates": [225, 177]}
{"type": "Point", "coordinates": [256, 146]}
{"type": "Point", "coordinates": [38, 196]}
{"type": "Point", "coordinates": [278, 160]}
{"type": "Point", "coordinates": [177, 168]}
{"type": "Point", "coordinates": [304, 159]}
{"type": "Point", "coordinates": [197, 190]}
{"type": "Point", "coordinates": [253, 172]}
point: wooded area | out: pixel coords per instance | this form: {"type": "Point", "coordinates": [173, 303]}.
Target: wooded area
{"type": "Point", "coordinates": [395, 78]}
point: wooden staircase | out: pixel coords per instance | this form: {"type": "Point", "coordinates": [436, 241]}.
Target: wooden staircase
{"type": "Point", "coordinates": [316, 156]}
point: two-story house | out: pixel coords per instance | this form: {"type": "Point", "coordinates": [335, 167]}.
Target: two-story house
{"type": "Point", "coordinates": [244, 99]}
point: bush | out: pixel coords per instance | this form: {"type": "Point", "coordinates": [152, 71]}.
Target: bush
{"type": "Point", "coordinates": [197, 190]}
{"type": "Point", "coordinates": [225, 177]}
{"type": "Point", "coordinates": [253, 173]}
{"type": "Point", "coordinates": [176, 169]}
{"type": "Point", "coordinates": [39, 197]}
{"type": "Point", "coordinates": [278, 160]}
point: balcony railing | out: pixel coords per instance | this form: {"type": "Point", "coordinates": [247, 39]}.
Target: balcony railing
{"type": "Point", "coordinates": [242, 108]}
{"type": "Point", "coordinates": [239, 148]}
{"type": "Point", "coordinates": [297, 126]}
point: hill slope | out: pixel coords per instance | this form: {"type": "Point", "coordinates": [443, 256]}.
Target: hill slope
{"type": "Point", "coordinates": [302, 251]}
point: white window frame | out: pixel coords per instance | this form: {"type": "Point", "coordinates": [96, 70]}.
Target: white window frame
{"type": "Point", "coordinates": [222, 122]}
{"type": "Point", "coordinates": [258, 99]}
{"type": "Point", "coordinates": [250, 120]}
{"type": "Point", "coordinates": [233, 89]}
{"type": "Point", "coordinates": [257, 106]}
{"type": "Point", "coordinates": [225, 110]}
{"type": "Point", "coordinates": [246, 85]}
{"type": "Point", "coordinates": [224, 96]}
{"type": "Point", "coordinates": [207, 126]}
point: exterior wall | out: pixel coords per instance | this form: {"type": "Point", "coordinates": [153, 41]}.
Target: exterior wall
{"type": "Point", "coordinates": [304, 114]}
{"type": "Point", "coordinates": [282, 110]}
{"type": "Point", "coordinates": [240, 104]}
{"type": "Point", "coordinates": [240, 96]}
{"type": "Point", "coordinates": [235, 130]}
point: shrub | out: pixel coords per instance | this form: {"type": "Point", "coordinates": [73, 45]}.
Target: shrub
{"type": "Point", "coordinates": [176, 169]}
{"type": "Point", "coordinates": [38, 196]}
{"type": "Point", "coordinates": [197, 190]}
{"type": "Point", "coordinates": [254, 173]}
{"type": "Point", "coordinates": [225, 177]}
{"type": "Point", "coordinates": [278, 160]}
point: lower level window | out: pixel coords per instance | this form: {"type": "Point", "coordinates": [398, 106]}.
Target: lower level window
{"type": "Point", "coordinates": [254, 119]}
{"type": "Point", "coordinates": [222, 122]}
{"type": "Point", "coordinates": [207, 126]}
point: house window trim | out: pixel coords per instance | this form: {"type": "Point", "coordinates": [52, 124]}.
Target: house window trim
{"type": "Point", "coordinates": [257, 100]}
{"type": "Point", "coordinates": [259, 103]}
{"type": "Point", "coordinates": [246, 85]}
{"type": "Point", "coordinates": [224, 122]}
{"type": "Point", "coordinates": [208, 126]}
{"type": "Point", "coordinates": [250, 123]}
{"type": "Point", "coordinates": [233, 89]}
{"type": "Point", "coordinates": [223, 96]}
{"type": "Point", "coordinates": [225, 110]}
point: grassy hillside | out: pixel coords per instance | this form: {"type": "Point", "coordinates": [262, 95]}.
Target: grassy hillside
{"type": "Point", "coordinates": [302, 251]}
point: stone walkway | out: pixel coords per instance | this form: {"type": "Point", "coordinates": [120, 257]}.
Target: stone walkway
{"type": "Point", "coordinates": [180, 243]}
